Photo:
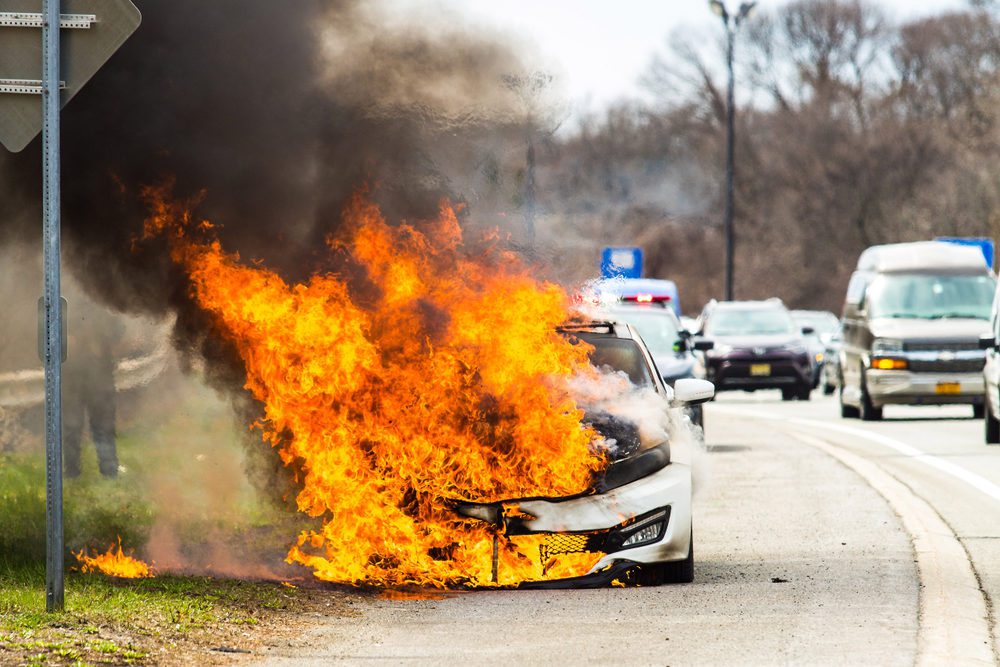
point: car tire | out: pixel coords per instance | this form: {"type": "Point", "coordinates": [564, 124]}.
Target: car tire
{"type": "Point", "coordinates": [804, 393]}
{"type": "Point", "coordinates": [788, 394]}
{"type": "Point", "coordinates": [681, 571]}
{"type": "Point", "coordinates": [978, 411]}
{"type": "Point", "coordinates": [992, 428]}
{"type": "Point", "coordinates": [868, 411]}
{"type": "Point", "coordinates": [847, 411]}
{"type": "Point", "coordinates": [698, 416]}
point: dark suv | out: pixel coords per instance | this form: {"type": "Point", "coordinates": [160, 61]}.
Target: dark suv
{"type": "Point", "coordinates": [757, 346]}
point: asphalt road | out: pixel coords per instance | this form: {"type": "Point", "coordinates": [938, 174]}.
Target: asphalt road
{"type": "Point", "coordinates": [818, 541]}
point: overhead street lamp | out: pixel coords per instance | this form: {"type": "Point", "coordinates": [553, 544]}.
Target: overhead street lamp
{"type": "Point", "coordinates": [732, 23]}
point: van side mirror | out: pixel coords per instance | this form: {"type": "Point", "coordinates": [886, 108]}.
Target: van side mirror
{"type": "Point", "coordinates": [690, 391]}
{"type": "Point", "coordinates": [703, 344]}
{"type": "Point", "coordinates": [987, 342]}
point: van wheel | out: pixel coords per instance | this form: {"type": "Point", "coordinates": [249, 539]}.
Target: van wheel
{"type": "Point", "coordinates": [992, 428]}
{"type": "Point", "coordinates": [847, 411]}
{"type": "Point", "coordinates": [868, 412]}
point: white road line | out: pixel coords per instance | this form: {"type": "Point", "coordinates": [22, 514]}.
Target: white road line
{"type": "Point", "coordinates": [954, 614]}
{"type": "Point", "coordinates": [972, 479]}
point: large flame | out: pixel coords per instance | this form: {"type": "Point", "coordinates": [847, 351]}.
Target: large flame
{"type": "Point", "coordinates": [114, 562]}
{"type": "Point", "coordinates": [439, 378]}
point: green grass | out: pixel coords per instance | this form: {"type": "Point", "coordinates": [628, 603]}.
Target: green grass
{"type": "Point", "coordinates": [122, 622]}
{"type": "Point", "coordinates": [184, 473]}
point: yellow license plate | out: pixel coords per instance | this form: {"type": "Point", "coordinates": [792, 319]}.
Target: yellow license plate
{"type": "Point", "coordinates": [760, 370]}
{"type": "Point", "coordinates": [949, 388]}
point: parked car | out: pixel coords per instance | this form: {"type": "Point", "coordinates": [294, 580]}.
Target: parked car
{"type": "Point", "coordinates": [670, 345]}
{"type": "Point", "coordinates": [639, 512]}
{"type": "Point", "coordinates": [913, 316]}
{"type": "Point", "coordinates": [825, 327]}
{"type": "Point", "coordinates": [990, 343]}
{"type": "Point", "coordinates": [757, 345]}
{"type": "Point", "coordinates": [830, 377]}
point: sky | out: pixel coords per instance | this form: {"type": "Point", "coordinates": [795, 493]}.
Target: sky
{"type": "Point", "coordinates": [601, 48]}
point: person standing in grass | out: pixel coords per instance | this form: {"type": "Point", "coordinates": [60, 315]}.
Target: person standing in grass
{"type": "Point", "coordinates": [89, 387]}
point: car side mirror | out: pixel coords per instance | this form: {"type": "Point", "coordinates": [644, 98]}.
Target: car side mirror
{"type": "Point", "coordinates": [808, 331]}
{"type": "Point", "coordinates": [690, 391]}
{"type": "Point", "coordinates": [703, 345]}
{"type": "Point", "coordinates": [987, 342]}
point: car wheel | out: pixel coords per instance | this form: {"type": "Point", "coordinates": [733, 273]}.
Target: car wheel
{"type": "Point", "coordinates": [992, 428]}
{"type": "Point", "coordinates": [698, 416]}
{"type": "Point", "coordinates": [682, 571]}
{"type": "Point", "coordinates": [978, 411]}
{"type": "Point", "coordinates": [868, 411]}
{"type": "Point", "coordinates": [805, 393]}
{"type": "Point", "coordinates": [788, 394]}
{"type": "Point", "coordinates": [847, 411]}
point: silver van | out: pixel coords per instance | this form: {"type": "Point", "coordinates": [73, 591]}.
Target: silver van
{"type": "Point", "coordinates": [912, 320]}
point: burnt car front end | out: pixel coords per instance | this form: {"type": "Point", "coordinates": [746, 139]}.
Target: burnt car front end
{"type": "Point", "coordinates": [636, 518]}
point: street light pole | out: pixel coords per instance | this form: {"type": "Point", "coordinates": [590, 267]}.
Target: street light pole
{"type": "Point", "coordinates": [732, 24]}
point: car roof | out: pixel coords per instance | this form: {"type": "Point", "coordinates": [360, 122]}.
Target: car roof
{"type": "Point", "coordinates": [813, 313]}
{"type": "Point", "coordinates": [749, 305]}
{"type": "Point", "coordinates": [632, 285]}
{"type": "Point", "coordinates": [625, 310]}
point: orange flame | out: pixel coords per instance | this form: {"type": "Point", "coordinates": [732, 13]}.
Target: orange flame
{"type": "Point", "coordinates": [442, 378]}
{"type": "Point", "coordinates": [114, 563]}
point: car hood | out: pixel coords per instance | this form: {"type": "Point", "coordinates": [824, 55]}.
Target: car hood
{"type": "Point", "coordinates": [747, 342]}
{"type": "Point", "coordinates": [917, 328]}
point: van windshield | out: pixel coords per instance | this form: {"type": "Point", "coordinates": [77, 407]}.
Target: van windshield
{"type": "Point", "coordinates": [931, 297]}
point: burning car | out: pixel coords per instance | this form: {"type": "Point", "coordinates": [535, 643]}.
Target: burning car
{"type": "Point", "coordinates": [638, 513]}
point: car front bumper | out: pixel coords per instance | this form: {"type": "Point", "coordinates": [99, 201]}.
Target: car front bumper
{"type": "Point", "coordinates": [596, 521]}
{"type": "Point", "coordinates": [909, 388]}
{"type": "Point", "coordinates": [669, 487]}
{"type": "Point", "coordinates": [738, 374]}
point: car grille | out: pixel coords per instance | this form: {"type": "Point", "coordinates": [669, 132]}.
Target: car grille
{"type": "Point", "coordinates": [941, 346]}
{"type": "Point", "coordinates": [953, 366]}
{"type": "Point", "coordinates": [577, 543]}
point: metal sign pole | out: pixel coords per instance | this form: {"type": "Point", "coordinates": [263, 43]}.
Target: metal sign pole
{"type": "Point", "coordinates": [54, 592]}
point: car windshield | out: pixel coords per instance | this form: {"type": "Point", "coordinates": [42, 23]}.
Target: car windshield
{"type": "Point", "coordinates": [657, 328]}
{"type": "Point", "coordinates": [822, 323]}
{"type": "Point", "coordinates": [618, 354]}
{"type": "Point", "coordinates": [931, 297]}
{"type": "Point", "coordinates": [764, 321]}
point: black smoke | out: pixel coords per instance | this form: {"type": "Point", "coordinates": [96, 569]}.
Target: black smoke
{"type": "Point", "coordinates": [277, 111]}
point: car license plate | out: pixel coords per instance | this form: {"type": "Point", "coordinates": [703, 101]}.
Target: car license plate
{"type": "Point", "coordinates": [760, 370]}
{"type": "Point", "coordinates": [949, 388]}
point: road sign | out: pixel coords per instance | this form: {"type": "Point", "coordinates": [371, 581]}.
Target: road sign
{"type": "Point", "coordinates": [621, 263]}
{"type": "Point", "coordinates": [92, 30]}
{"type": "Point", "coordinates": [37, 78]}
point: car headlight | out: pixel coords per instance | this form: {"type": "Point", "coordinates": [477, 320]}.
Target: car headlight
{"type": "Point", "coordinates": [887, 346]}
